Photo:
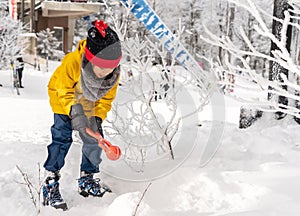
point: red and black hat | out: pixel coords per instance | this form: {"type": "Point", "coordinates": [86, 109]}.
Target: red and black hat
{"type": "Point", "coordinates": [103, 47]}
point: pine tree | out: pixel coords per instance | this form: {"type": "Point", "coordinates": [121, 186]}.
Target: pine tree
{"type": "Point", "coordinates": [10, 44]}
{"type": "Point", "coordinates": [47, 44]}
{"type": "Point", "coordinates": [81, 27]}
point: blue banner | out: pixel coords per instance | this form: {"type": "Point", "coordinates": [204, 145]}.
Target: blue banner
{"type": "Point", "coordinates": [145, 14]}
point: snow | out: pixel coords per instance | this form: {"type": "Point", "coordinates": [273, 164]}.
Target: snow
{"type": "Point", "coordinates": [249, 172]}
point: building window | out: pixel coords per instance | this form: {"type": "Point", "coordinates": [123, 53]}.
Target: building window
{"type": "Point", "coordinates": [59, 35]}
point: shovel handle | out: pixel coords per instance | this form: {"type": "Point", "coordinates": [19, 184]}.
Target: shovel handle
{"type": "Point", "coordinates": [112, 152]}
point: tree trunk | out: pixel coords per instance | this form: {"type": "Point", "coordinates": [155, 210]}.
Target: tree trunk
{"type": "Point", "coordinates": [297, 93]}
{"type": "Point", "coordinates": [230, 14]}
{"type": "Point", "coordinates": [276, 70]}
{"type": "Point", "coordinates": [47, 62]}
{"type": "Point", "coordinates": [220, 15]}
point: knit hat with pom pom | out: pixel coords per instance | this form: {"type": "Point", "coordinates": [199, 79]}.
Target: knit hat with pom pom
{"type": "Point", "coordinates": [103, 47]}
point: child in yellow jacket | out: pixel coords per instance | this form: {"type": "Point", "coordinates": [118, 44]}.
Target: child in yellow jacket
{"type": "Point", "coordinates": [81, 91]}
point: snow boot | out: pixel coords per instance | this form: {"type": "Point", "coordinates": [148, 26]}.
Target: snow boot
{"type": "Point", "coordinates": [87, 185]}
{"type": "Point", "coordinates": [51, 194]}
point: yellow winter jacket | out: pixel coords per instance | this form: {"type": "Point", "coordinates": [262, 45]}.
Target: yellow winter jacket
{"type": "Point", "coordinates": [64, 88]}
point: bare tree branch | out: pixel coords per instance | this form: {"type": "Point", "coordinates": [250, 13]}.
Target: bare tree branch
{"type": "Point", "coordinates": [34, 192]}
{"type": "Point", "coordinates": [138, 205]}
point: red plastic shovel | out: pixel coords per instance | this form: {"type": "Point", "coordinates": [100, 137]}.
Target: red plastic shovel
{"type": "Point", "coordinates": [112, 152]}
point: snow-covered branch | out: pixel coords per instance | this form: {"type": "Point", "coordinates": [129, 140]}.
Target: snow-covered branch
{"type": "Point", "coordinates": [146, 116]}
{"type": "Point", "coordinates": [34, 191]}
{"type": "Point", "coordinates": [242, 73]}
{"type": "Point", "coordinates": [11, 44]}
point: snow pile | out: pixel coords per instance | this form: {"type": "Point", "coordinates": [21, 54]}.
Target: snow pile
{"type": "Point", "coordinates": [126, 203]}
{"type": "Point", "coordinates": [204, 194]}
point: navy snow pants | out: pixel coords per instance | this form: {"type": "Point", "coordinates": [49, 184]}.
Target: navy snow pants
{"type": "Point", "coordinates": [61, 142]}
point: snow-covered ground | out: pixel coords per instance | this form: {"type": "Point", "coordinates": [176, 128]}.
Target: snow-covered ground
{"type": "Point", "coordinates": [254, 172]}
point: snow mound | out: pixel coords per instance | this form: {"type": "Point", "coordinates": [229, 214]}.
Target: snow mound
{"type": "Point", "coordinates": [211, 194]}
{"type": "Point", "coordinates": [126, 205]}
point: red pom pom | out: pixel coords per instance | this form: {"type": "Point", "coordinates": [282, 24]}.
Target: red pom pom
{"type": "Point", "coordinates": [101, 26]}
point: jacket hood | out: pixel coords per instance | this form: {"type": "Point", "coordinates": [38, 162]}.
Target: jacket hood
{"type": "Point", "coordinates": [80, 48]}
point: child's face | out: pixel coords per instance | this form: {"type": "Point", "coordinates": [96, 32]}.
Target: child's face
{"type": "Point", "coordinates": [102, 72]}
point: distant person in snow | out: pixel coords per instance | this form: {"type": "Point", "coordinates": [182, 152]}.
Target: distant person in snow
{"type": "Point", "coordinates": [81, 92]}
{"type": "Point", "coordinates": [19, 66]}
{"type": "Point", "coordinates": [165, 85]}
{"type": "Point", "coordinates": [161, 78]}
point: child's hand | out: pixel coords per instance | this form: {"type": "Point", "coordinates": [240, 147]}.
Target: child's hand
{"type": "Point", "coordinates": [78, 119]}
{"type": "Point", "coordinates": [112, 152]}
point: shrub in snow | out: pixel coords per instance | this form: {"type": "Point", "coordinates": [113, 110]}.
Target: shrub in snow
{"type": "Point", "coordinates": [10, 43]}
{"type": "Point", "coordinates": [47, 44]}
{"type": "Point", "coordinates": [248, 116]}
